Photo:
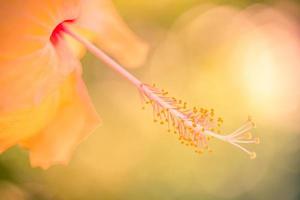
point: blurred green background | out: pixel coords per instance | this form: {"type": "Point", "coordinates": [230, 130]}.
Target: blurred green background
{"type": "Point", "coordinates": [200, 55]}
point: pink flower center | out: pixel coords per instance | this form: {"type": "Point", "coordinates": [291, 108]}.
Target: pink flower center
{"type": "Point", "coordinates": [58, 30]}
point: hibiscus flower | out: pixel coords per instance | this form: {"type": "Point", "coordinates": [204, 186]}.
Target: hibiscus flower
{"type": "Point", "coordinates": [44, 105]}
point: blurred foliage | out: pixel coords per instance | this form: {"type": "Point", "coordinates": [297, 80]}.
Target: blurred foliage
{"type": "Point", "coordinates": [165, 12]}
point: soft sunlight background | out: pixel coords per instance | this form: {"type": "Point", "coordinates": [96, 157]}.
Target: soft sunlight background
{"type": "Point", "coordinates": [237, 57]}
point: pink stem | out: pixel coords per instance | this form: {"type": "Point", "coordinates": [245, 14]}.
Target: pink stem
{"type": "Point", "coordinates": [104, 57]}
{"type": "Point", "coordinates": [119, 69]}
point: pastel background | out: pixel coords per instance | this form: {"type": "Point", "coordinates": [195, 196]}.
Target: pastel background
{"type": "Point", "coordinates": [240, 57]}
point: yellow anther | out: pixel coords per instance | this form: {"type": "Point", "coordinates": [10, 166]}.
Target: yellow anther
{"type": "Point", "coordinates": [220, 120]}
{"type": "Point", "coordinates": [200, 151]}
{"type": "Point", "coordinates": [248, 136]}
{"type": "Point", "coordinates": [257, 140]}
{"type": "Point", "coordinates": [252, 155]}
{"type": "Point", "coordinates": [249, 118]}
{"type": "Point", "coordinates": [195, 110]}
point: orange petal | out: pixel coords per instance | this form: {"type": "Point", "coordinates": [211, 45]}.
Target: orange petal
{"type": "Point", "coordinates": [75, 119]}
{"type": "Point", "coordinates": [26, 28]}
{"type": "Point", "coordinates": [25, 82]}
{"type": "Point", "coordinates": [112, 34]}
{"type": "Point", "coordinates": [26, 122]}
{"type": "Point", "coordinates": [32, 70]}
{"type": "Point", "coordinates": [29, 99]}
{"type": "Point", "coordinates": [31, 67]}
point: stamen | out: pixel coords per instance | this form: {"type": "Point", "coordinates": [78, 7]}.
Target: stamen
{"type": "Point", "coordinates": [198, 126]}
{"type": "Point", "coordinates": [194, 126]}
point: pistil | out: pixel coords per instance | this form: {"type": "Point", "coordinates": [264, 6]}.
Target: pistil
{"type": "Point", "coordinates": [195, 126]}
